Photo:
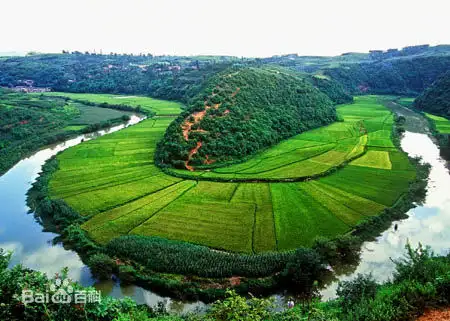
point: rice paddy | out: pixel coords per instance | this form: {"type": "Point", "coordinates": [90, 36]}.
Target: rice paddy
{"type": "Point", "coordinates": [442, 124]}
{"type": "Point", "coordinates": [160, 107]}
{"type": "Point", "coordinates": [113, 181]}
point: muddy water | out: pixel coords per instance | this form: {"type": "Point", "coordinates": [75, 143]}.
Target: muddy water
{"type": "Point", "coordinates": [19, 232]}
{"type": "Point", "coordinates": [428, 224]}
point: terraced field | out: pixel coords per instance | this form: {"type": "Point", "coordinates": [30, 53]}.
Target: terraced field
{"type": "Point", "coordinates": [113, 181]}
{"type": "Point", "coordinates": [442, 124]}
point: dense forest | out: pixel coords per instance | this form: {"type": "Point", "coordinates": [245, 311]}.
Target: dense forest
{"type": "Point", "coordinates": [436, 98]}
{"type": "Point", "coordinates": [240, 112]}
{"type": "Point", "coordinates": [330, 87]}
{"type": "Point", "coordinates": [405, 76]}
{"type": "Point", "coordinates": [172, 78]}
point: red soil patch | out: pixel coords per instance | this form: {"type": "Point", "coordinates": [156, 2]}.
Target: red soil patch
{"type": "Point", "coordinates": [24, 122]}
{"type": "Point", "coordinates": [208, 161]}
{"type": "Point", "coordinates": [235, 281]}
{"type": "Point", "coordinates": [192, 153]}
{"type": "Point", "coordinates": [187, 126]}
{"type": "Point", "coordinates": [436, 315]}
{"type": "Point", "coordinates": [198, 116]}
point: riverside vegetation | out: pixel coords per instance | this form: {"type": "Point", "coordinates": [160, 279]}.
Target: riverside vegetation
{"type": "Point", "coordinates": [421, 280]}
{"type": "Point", "coordinates": [28, 122]}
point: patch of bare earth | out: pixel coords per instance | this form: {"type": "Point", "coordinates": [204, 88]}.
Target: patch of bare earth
{"type": "Point", "coordinates": [436, 315]}
{"type": "Point", "coordinates": [194, 119]}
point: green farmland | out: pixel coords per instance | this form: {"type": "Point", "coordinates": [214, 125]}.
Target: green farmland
{"type": "Point", "coordinates": [442, 124]}
{"type": "Point", "coordinates": [366, 124]}
{"type": "Point", "coordinates": [114, 182]}
{"type": "Point", "coordinates": [160, 107]}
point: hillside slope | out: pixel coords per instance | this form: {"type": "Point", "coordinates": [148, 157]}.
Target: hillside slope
{"type": "Point", "coordinates": [405, 76]}
{"type": "Point", "coordinates": [436, 99]}
{"type": "Point", "coordinates": [330, 87]}
{"type": "Point", "coordinates": [240, 112]}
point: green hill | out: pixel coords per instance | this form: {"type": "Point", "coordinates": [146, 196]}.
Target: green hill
{"type": "Point", "coordinates": [240, 112]}
{"type": "Point", "coordinates": [403, 75]}
{"type": "Point", "coordinates": [330, 87]}
{"type": "Point", "coordinates": [436, 99]}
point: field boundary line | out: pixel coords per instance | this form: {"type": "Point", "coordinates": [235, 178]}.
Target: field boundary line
{"type": "Point", "coordinates": [184, 192]}
{"type": "Point", "coordinates": [273, 216]}
{"type": "Point", "coordinates": [131, 200]}
{"type": "Point", "coordinates": [105, 186]}
{"type": "Point", "coordinates": [287, 164]}
{"type": "Point", "coordinates": [320, 204]}
{"type": "Point", "coordinates": [321, 190]}
{"type": "Point", "coordinates": [254, 228]}
{"type": "Point", "coordinates": [119, 217]}
{"type": "Point", "coordinates": [234, 192]}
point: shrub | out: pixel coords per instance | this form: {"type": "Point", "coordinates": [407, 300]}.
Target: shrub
{"type": "Point", "coordinates": [101, 265]}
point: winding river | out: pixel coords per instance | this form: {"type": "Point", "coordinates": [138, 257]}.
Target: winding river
{"type": "Point", "coordinates": [20, 233]}
{"type": "Point", "coordinates": [428, 223]}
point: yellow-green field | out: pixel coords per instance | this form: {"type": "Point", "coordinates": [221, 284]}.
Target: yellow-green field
{"type": "Point", "coordinates": [442, 124]}
{"type": "Point", "coordinates": [113, 181]}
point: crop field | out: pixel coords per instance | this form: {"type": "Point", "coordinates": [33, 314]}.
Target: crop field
{"type": "Point", "coordinates": [91, 114]}
{"type": "Point", "coordinates": [442, 124]}
{"type": "Point", "coordinates": [160, 107]}
{"type": "Point", "coordinates": [113, 181]}
{"type": "Point", "coordinates": [366, 124]}
{"type": "Point", "coordinates": [406, 101]}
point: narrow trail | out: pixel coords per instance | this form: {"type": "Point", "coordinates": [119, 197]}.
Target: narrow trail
{"type": "Point", "coordinates": [197, 117]}
{"type": "Point", "coordinates": [192, 153]}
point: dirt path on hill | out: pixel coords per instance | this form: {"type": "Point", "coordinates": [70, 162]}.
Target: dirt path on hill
{"type": "Point", "coordinates": [187, 129]}
{"type": "Point", "coordinates": [192, 153]}
{"type": "Point", "coordinates": [436, 315]}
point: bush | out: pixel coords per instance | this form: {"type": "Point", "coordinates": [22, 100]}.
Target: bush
{"type": "Point", "coordinates": [101, 265]}
{"type": "Point", "coordinates": [353, 292]}
{"type": "Point", "coordinates": [303, 269]}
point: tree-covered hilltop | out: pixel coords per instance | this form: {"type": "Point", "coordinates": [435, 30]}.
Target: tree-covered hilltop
{"type": "Point", "coordinates": [404, 76]}
{"type": "Point", "coordinates": [330, 87]}
{"type": "Point", "coordinates": [240, 112]}
{"type": "Point", "coordinates": [436, 98]}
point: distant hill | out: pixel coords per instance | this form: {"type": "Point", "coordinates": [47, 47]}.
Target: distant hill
{"type": "Point", "coordinates": [409, 75]}
{"type": "Point", "coordinates": [436, 99]}
{"type": "Point", "coordinates": [239, 112]}
{"type": "Point", "coordinates": [330, 87]}
{"type": "Point", "coordinates": [168, 77]}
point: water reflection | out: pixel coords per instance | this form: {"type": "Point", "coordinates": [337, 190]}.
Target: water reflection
{"type": "Point", "coordinates": [34, 247]}
{"type": "Point", "coordinates": [428, 224]}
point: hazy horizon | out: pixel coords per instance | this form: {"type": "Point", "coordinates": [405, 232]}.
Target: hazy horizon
{"type": "Point", "coordinates": [236, 28]}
